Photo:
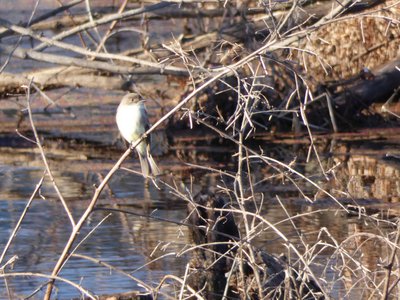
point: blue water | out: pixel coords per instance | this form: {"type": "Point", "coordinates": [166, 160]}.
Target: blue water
{"type": "Point", "coordinates": [123, 241]}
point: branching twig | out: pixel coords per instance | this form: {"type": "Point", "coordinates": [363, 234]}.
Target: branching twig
{"type": "Point", "coordinates": [31, 274]}
{"type": "Point", "coordinates": [105, 20]}
{"type": "Point", "coordinates": [42, 153]}
{"type": "Point", "coordinates": [21, 218]}
{"type": "Point", "coordinates": [389, 266]}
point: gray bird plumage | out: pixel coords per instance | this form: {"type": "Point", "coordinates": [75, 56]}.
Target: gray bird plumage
{"type": "Point", "coordinates": [132, 121]}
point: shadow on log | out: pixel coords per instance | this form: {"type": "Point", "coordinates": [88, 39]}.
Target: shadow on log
{"type": "Point", "coordinates": [222, 271]}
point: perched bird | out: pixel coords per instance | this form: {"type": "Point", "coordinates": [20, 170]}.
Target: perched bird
{"type": "Point", "coordinates": [132, 121]}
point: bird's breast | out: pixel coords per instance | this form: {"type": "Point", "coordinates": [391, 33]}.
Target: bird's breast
{"type": "Point", "coordinates": [129, 122]}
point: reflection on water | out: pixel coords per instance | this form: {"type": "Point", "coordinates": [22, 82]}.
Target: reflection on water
{"type": "Point", "coordinates": [133, 244]}
{"type": "Point", "coordinates": [372, 179]}
{"type": "Point", "coordinates": [126, 242]}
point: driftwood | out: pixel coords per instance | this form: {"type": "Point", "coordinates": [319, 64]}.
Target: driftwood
{"type": "Point", "coordinates": [60, 77]}
{"type": "Point", "coordinates": [21, 53]}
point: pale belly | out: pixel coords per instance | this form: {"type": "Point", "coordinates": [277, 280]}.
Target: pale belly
{"type": "Point", "coordinates": [130, 125]}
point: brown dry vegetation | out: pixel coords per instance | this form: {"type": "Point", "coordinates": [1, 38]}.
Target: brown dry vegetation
{"type": "Point", "coordinates": [341, 49]}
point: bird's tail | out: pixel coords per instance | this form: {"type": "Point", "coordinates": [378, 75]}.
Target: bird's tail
{"type": "Point", "coordinates": [153, 166]}
{"type": "Point", "coordinates": [148, 165]}
{"type": "Point", "coordinates": [144, 165]}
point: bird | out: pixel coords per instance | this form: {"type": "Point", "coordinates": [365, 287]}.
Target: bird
{"type": "Point", "coordinates": [132, 121]}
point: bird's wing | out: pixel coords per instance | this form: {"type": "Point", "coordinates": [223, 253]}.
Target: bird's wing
{"type": "Point", "coordinates": [145, 119]}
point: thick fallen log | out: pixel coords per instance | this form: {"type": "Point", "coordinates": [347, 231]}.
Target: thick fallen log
{"type": "Point", "coordinates": [22, 53]}
{"type": "Point", "coordinates": [57, 78]}
{"type": "Point", "coordinates": [346, 100]}
{"type": "Point", "coordinates": [375, 87]}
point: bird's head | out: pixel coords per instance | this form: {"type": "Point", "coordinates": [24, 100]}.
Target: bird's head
{"type": "Point", "coordinates": [132, 98]}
